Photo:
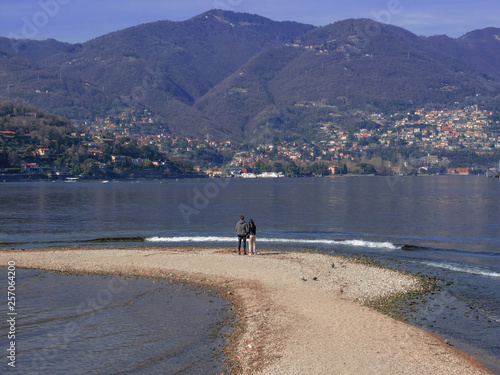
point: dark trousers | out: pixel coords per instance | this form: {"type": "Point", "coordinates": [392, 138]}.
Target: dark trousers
{"type": "Point", "coordinates": [244, 240]}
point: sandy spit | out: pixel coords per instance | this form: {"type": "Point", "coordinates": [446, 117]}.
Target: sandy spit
{"type": "Point", "coordinates": [299, 314]}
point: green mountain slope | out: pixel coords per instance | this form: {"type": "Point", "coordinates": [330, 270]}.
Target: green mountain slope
{"type": "Point", "coordinates": [334, 69]}
{"type": "Point", "coordinates": [241, 76]}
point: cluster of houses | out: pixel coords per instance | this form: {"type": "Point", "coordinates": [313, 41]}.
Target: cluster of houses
{"type": "Point", "coordinates": [469, 128]}
{"type": "Point", "coordinates": [444, 129]}
{"type": "Point", "coordinates": [429, 130]}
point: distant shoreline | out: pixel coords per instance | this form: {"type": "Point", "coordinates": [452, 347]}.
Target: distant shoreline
{"type": "Point", "coordinates": [299, 312]}
{"type": "Point", "coordinates": [11, 178]}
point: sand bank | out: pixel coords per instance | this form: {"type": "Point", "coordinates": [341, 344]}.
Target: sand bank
{"type": "Point", "coordinates": [299, 315]}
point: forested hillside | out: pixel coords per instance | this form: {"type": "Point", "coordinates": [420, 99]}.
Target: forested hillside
{"type": "Point", "coordinates": [225, 75]}
{"type": "Point", "coordinates": [36, 142]}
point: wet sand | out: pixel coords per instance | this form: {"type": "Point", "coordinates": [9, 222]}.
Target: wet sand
{"type": "Point", "coordinates": [296, 314]}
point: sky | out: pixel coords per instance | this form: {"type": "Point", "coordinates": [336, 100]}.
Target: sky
{"type": "Point", "coordinates": [77, 21]}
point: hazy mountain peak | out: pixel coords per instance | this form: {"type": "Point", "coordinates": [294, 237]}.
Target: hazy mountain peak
{"type": "Point", "coordinates": [489, 33]}
{"type": "Point", "coordinates": [226, 16]}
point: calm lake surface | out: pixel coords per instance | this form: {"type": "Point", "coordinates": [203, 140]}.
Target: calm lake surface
{"type": "Point", "coordinates": [68, 324]}
{"type": "Point", "coordinates": [442, 226]}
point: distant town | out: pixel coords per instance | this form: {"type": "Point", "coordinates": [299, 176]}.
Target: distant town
{"type": "Point", "coordinates": [133, 144]}
{"type": "Point", "coordinates": [339, 151]}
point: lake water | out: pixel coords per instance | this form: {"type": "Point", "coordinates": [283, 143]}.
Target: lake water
{"type": "Point", "coordinates": [86, 324]}
{"type": "Point", "coordinates": [442, 226]}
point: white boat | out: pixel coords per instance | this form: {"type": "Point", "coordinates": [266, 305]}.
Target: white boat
{"type": "Point", "coordinates": [268, 175]}
{"type": "Point", "coordinates": [248, 175]}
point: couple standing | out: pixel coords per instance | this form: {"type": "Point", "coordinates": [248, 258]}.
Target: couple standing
{"type": "Point", "coordinates": [243, 230]}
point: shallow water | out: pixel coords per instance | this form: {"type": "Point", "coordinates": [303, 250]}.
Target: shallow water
{"type": "Point", "coordinates": [68, 324]}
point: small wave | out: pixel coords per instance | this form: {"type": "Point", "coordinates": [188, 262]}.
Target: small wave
{"type": "Point", "coordinates": [464, 269]}
{"type": "Point", "coordinates": [413, 247]}
{"type": "Point", "coordinates": [118, 239]}
{"type": "Point", "coordinates": [357, 243]}
{"type": "Point", "coordinates": [370, 244]}
{"type": "Point", "coordinates": [190, 239]}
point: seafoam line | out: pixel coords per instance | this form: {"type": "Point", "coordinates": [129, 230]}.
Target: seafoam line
{"type": "Point", "coordinates": [464, 269]}
{"type": "Point", "coordinates": [357, 243]}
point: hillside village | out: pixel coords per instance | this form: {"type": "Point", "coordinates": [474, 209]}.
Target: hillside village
{"type": "Point", "coordinates": [135, 144]}
{"type": "Point", "coordinates": [228, 92]}
{"type": "Point", "coordinates": [430, 131]}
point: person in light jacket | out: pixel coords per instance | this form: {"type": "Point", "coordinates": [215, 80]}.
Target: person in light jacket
{"type": "Point", "coordinates": [242, 232]}
{"type": "Point", "coordinates": [252, 232]}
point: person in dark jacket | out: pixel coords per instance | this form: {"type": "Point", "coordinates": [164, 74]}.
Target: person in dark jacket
{"type": "Point", "coordinates": [242, 232]}
{"type": "Point", "coordinates": [252, 232]}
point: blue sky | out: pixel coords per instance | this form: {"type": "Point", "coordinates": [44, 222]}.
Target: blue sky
{"type": "Point", "coordinates": [81, 20]}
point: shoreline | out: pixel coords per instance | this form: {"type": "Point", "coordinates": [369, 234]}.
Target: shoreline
{"type": "Point", "coordinates": [29, 178]}
{"type": "Point", "coordinates": [285, 324]}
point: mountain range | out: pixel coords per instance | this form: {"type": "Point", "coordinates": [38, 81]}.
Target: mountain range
{"type": "Point", "coordinates": [226, 75]}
